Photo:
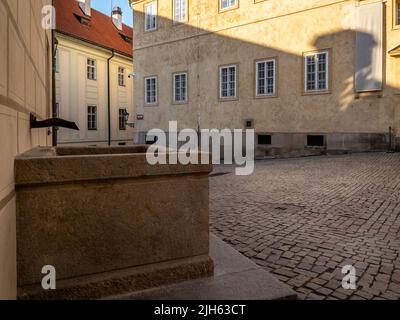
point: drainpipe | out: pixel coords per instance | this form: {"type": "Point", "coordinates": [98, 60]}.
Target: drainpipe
{"type": "Point", "coordinates": [109, 97]}
{"type": "Point", "coordinates": [53, 84]}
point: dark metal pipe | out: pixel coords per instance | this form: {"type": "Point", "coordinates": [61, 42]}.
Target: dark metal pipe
{"type": "Point", "coordinates": [109, 97]}
{"type": "Point", "coordinates": [53, 84]}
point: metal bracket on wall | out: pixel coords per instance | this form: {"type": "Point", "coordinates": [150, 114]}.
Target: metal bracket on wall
{"type": "Point", "coordinates": [53, 122]}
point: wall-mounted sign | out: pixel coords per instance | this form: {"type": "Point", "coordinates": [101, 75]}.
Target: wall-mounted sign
{"type": "Point", "coordinates": [140, 117]}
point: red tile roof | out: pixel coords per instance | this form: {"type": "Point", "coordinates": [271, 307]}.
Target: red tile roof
{"type": "Point", "coordinates": [100, 31]}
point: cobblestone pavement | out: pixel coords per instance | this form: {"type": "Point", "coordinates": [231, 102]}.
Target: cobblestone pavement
{"type": "Point", "coordinates": [304, 219]}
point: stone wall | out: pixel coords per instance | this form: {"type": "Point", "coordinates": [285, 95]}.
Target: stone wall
{"type": "Point", "coordinates": [265, 29]}
{"type": "Point", "coordinates": [25, 87]}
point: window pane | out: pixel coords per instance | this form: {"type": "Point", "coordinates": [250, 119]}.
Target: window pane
{"type": "Point", "coordinates": [322, 83]}
{"type": "Point", "coordinates": [180, 7]}
{"type": "Point", "coordinates": [224, 82]}
{"type": "Point", "coordinates": [261, 78]}
{"type": "Point", "coordinates": [311, 72]}
{"type": "Point", "coordinates": [398, 12]}
{"type": "Point", "coordinates": [232, 81]}
{"type": "Point", "coordinates": [270, 77]}
{"type": "Point", "coordinates": [227, 3]}
{"type": "Point", "coordinates": [151, 16]}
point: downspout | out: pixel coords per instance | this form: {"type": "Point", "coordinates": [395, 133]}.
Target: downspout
{"type": "Point", "coordinates": [53, 84]}
{"type": "Point", "coordinates": [109, 97]}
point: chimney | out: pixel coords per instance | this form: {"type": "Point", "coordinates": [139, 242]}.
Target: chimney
{"type": "Point", "coordinates": [116, 16]}
{"type": "Point", "coordinates": [85, 7]}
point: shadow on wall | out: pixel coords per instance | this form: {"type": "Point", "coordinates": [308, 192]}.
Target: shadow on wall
{"type": "Point", "coordinates": [347, 120]}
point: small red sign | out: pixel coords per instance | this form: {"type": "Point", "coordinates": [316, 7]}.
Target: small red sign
{"type": "Point", "coordinates": [140, 117]}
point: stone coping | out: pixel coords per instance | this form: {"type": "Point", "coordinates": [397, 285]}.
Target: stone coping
{"type": "Point", "coordinates": [44, 165]}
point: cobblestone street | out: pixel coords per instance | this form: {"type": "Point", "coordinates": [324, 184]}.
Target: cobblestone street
{"type": "Point", "coordinates": [304, 219]}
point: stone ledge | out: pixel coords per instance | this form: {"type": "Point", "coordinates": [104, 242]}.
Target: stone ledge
{"type": "Point", "coordinates": [235, 278]}
{"type": "Point", "coordinates": [120, 281]}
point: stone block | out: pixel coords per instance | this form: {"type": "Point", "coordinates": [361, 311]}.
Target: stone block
{"type": "Point", "coordinates": [105, 211]}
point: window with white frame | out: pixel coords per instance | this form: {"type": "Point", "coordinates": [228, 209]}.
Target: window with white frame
{"type": "Point", "coordinates": [151, 90]}
{"type": "Point", "coordinates": [121, 76]}
{"type": "Point", "coordinates": [91, 69]}
{"type": "Point", "coordinates": [227, 4]}
{"type": "Point", "coordinates": [228, 82]}
{"type": "Point", "coordinates": [92, 118]}
{"type": "Point", "coordinates": [265, 77]}
{"type": "Point", "coordinates": [180, 87]}
{"type": "Point", "coordinates": [150, 16]}
{"type": "Point", "coordinates": [180, 10]}
{"type": "Point", "coordinates": [122, 119]}
{"type": "Point", "coordinates": [316, 72]}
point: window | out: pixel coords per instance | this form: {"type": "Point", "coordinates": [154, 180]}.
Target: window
{"type": "Point", "coordinates": [180, 10]}
{"type": "Point", "coordinates": [180, 87]}
{"type": "Point", "coordinates": [227, 80]}
{"type": "Point", "coordinates": [249, 123]}
{"type": "Point", "coordinates": [228, 4]}
{"type": "Point", "coordinates": [92, 118]}
{"type": "Point", "coordinates": [265, 78]}
{"type": "Point", "coordinates": [121, 76]}
{"type": "Point", "coordinates": [315, 141]}
{"type": "Point", "coordinates": [150, 20]}
{"type": "Point", "coordinates": [151, 90]}
{"type": "Point", "coordinates": [122, 119]}
{"type": "Point", "coordinates": [264, 139]}
{"type": "Point", "coordinates": [397, 13]}
{"type": "Point", "coordinates": [91, 69]}
{"type": "Point", "coordinates": [316, 72]}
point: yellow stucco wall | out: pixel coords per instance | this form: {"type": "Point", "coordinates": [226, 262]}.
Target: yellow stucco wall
{"type": "Point", "coordinates": [272, 28]}
{"type": "Point", "coordinates": [74, 92]}
{"type": "Point", "coordinates": [25, 84]}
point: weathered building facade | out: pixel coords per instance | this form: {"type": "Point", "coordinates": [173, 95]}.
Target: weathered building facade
{"type": "Point", "coordinates": [25, 88]}
{"type": "Point", "coordinates": [94, 60]}
{"type": "Point", "coordinates": [307, 75]}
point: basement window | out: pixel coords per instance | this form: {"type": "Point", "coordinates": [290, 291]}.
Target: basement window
{"type": "Point", "coordinates": [264, 139]}
{"type": "Point", "coordinates": [315, 141]}
{"type": "Point", "coordinates": [248, 123]}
